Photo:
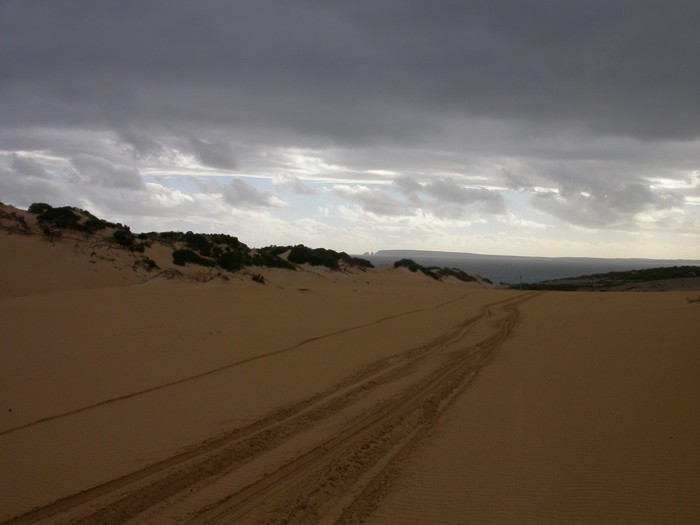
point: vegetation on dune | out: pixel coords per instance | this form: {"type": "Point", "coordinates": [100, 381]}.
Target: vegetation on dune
{"type": "Point", "coordinates": [606, 280]}
{"type": "Point", "coordinates": [435, 272]}
{"type": "Point", "coordinates": [649, 274]}
{"type": "Point", "coordinates": [552, 287]}
{"type": "Point", "coordinates": [53, 220]}
{"type": "Point", "coordinates": [215, 250]}
{"type": "Point", "coordinates": [301, 254]}
{"type": "Point", "coordinates": [14, 223]}
{"type": "Point", "coordinates": [270, 256]}
{"type": "Point", "coordinates": [228, 253]}
{"type": "Point", "coordinates": [184, 256]}
{"type": "Point", "coordinates": [332, 259]}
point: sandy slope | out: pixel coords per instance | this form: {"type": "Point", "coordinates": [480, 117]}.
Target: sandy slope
{"type": "Point", "coordinates": [131, 350]}
{"type": "Point", "coordinates": [589, 415]}
{"type": "Point", "coordinates": [334, 397]}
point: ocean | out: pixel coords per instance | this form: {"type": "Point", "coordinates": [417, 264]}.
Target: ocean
{"type": "Point", "coordinates": [513, 269]}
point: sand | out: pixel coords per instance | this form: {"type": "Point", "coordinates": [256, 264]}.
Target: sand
{"type": "Point", "coordinates": [325, 397]}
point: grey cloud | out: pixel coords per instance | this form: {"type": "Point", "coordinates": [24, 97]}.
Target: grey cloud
{"type": "Point", "coordinates": [28, 166]}
{"type": "Point", "coordinates": [411, 188]}
{"type": "Point", "coordinates": [516, 182]}
{"type": "Point", "coordinates": [443, 197]}
{"type": "Point", "coordinates": [446, 190]}
{"type": "Point", "coordinates": [448, 197]}
{"type": "Point", "coordinates": [603, 205]}
{"type": "Point", "coordinates": [21, 188]}
{"type": "Point", "coordinates": [404, 86]}
{"type": "Point", "coordinates": [293, 184]}
{"type": "Point", "coordinates": [214, 153]}
{"type": "Point", "coordinates": [376, 201]}
{"type": "Point", "coordinates": [243, 195]}
{"type": "Point", "coordinates": [140, 144]}
{"type": "Point", "coordinates": [100, 172]}
{"type": "Point", "coordinates": [354, 71]}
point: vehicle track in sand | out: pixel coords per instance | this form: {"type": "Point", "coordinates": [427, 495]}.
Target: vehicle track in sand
{"type": "Point", "coordinates": [344, 478]}
{"type": "Point", "coordinates": [225, 367]}
{"type": "Point", "coordinates": [339, 479]}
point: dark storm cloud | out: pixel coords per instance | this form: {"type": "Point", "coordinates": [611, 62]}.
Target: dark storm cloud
{"type": "Point", "coordinates": [215, 153]}
{"type": "Point", "coordinates": [352, 71]}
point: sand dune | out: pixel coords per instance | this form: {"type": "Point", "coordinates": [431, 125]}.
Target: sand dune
{"type": "Point", "coordinates": [338, 397]}
{"type": "Point", "coordinates": [588, 415]}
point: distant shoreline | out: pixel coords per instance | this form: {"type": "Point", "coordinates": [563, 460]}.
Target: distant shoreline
{"type": "Point", "coordinates": [511, 269]}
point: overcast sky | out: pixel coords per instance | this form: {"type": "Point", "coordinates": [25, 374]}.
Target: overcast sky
{"type": "Point", "coordinates": [557, 128]}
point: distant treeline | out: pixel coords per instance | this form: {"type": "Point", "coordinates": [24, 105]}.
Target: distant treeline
{"type": "Point", "coordinates": [649, 274]}
{"type": "Point", "coordinates": [605, 280]}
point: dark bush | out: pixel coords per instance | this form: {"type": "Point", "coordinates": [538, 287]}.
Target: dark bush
{"type": "Point", "coordinates": [181, 257]}
{"type": "Point", "coordinates": [150, 263]}
{"type": "Point", "coordinates": [63, 217]}
{"type": "Point", "coordinates": [408, 263]}
{"type": "Point", "coordinates": [198, 242]}
{"type": "Point", "coordinates": [124, 237]}
{"type": "Point", "coordinates": [94, 224]}
{"type": "Point", "coordinates": [270, 256]}
{"type": "Point", "coordinates": [457, 273]}
{"type": "Point", "coordinates": [359, 262]}
{"type": "Point", "coordinates": [434, 271]}
{"type": "Point", "coordinates": [227, 240]}
{"type": "Point", "coordinates": [38, 207]}
{"type": "Point", "coordinates": [301, 254]}
{"type": "Point", "coordinates": [233, 260]}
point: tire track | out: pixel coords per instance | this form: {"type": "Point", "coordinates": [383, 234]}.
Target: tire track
{"type": "Point", "coordinates": [225, 367]}
{"type": "Point", "coordinates": [209, 460]}
{"type": "Point", "coordinates": [371, 491]}
{"type": "Point", "coordinates": [314, 480]}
